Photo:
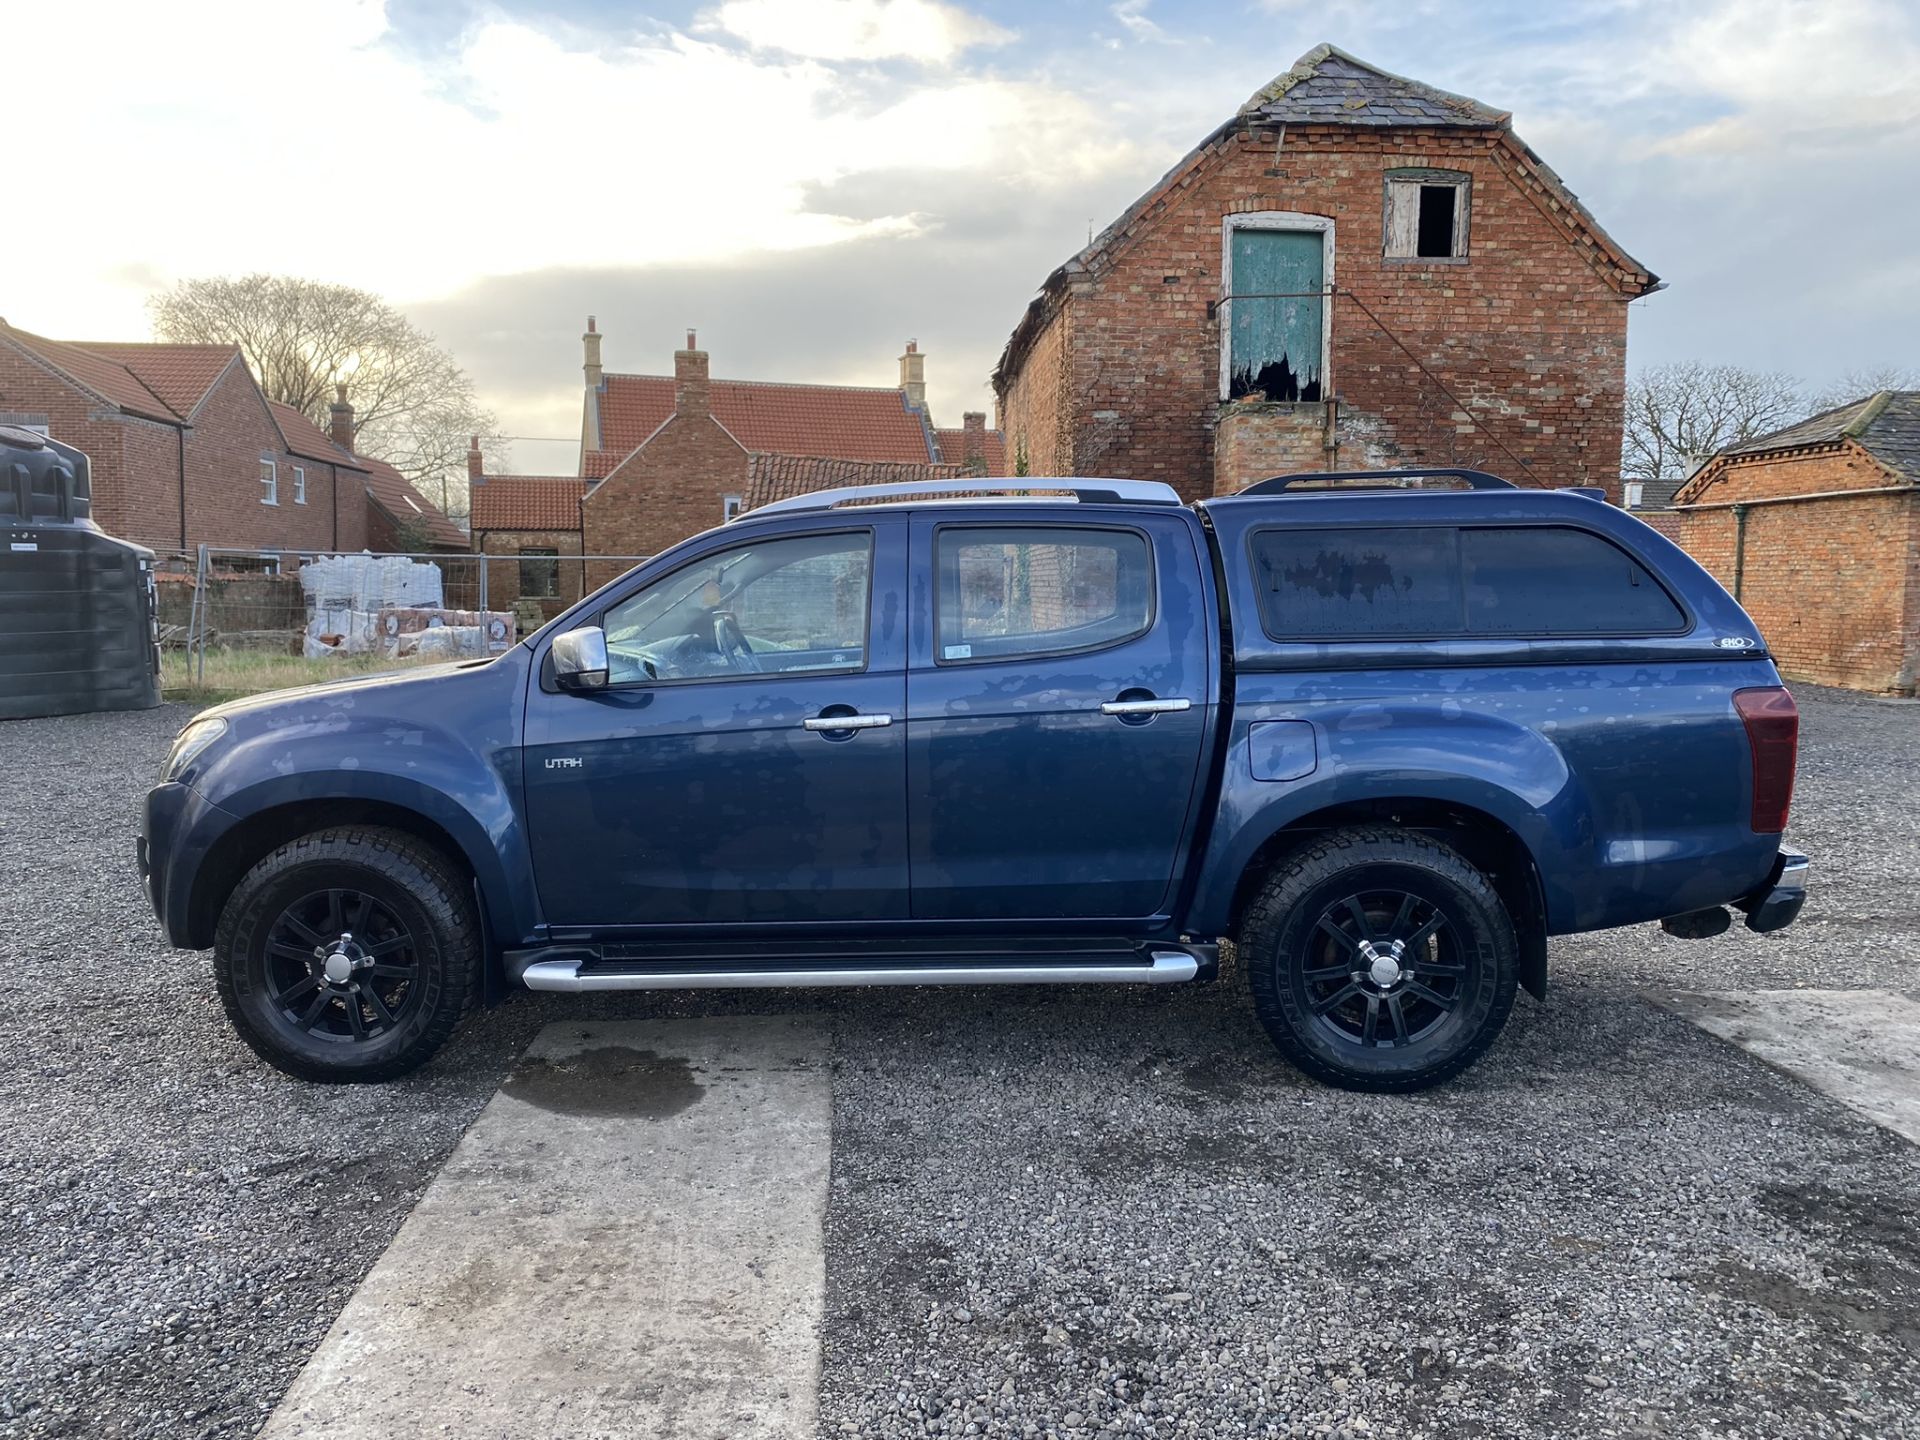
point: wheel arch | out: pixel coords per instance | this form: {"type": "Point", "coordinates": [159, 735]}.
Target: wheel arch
{"type": "Point", "coordinates": [1483, 839]}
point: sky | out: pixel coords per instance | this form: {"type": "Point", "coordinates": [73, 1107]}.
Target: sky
{"type": "Point", "coordinates": [809, 183]}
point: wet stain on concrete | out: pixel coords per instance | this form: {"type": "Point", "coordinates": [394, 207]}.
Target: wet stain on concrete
{"type": "Point", "coordinates": [607, 1080]}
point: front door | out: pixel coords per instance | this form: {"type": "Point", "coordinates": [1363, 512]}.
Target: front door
{"type": "Point", "coordinates": [1056, 709]}
{"type": "Point", "coordinates": [708, 783]}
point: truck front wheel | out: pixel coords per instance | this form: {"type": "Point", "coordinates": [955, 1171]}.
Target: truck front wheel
{"type": "Point", "coordinates": [348, 954]}
{"type": "Point", "coordinates": [1379, 960]}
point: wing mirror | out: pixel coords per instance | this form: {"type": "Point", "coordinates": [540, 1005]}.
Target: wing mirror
{"type": "Point", "coordinates": [580, 659]}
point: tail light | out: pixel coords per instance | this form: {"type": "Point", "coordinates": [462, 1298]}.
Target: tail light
{"type": "Point", "coordinates": [1773, 734]}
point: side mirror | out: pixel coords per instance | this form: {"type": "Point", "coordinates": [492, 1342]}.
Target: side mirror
{"type": "Point", "coordinates": [580, 659]}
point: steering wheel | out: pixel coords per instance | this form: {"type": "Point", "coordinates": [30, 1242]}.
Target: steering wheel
{"type": "Point", "coordinates": [733, 645]}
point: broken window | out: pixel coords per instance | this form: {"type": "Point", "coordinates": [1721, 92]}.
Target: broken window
{"type": "Point", "coordinates": [1275, 313]}
{"type": "Point", "coordinates": [1426, 214]}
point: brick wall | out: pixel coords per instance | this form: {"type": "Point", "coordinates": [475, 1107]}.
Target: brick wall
{"type": "Point", "coordinates": [1528, 335]}
{"type": "Point", "coordinates": [670, 488]}
{"type": "Point", "coordinates": [232, 430]}
{"type": "Point", "coordinates": [503, 576]}
{"type": "Point", "coordinates": [1036, 414]}
{"type": "Point", "coordinates": [1255, 441]}
{"type": "Point", "coordinates": [1832, 583]}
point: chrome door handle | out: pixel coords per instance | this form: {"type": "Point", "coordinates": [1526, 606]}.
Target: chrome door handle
{"type": "Point", "coordinates": [847, 722]}
{"type": "Point", "coordinates": [1145, 707]}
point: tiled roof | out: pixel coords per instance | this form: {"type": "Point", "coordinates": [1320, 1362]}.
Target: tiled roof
{"type": "Point", "coordinates": [953, 450]}
{"type": "Point", "coordinates": [780, 477]}
{"type": "Point", "coordinates": [526, 502]}
{"type": "Point", "coordinates": [405, 505]}
{"type": "Point", "coordinates": [304, 438]}
{"type": "Point", "coordinates": [1886, 425]}
{"type": "Point", "coordinates": [1330, 87]}
{"type": "Point", "coordinates": [598, 464]}
{"type": "Point", "coordinates": [1655, 494]}
{"type": "Point", "coordinates": [181, 375]}
{"type": "Point", "coordinates": [856, 421]}
{"type": "Point", "coordinates": [109, 379]}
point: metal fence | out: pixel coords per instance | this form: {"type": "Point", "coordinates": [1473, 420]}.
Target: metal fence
{"type": "Point", "coordinates": [413, 605]}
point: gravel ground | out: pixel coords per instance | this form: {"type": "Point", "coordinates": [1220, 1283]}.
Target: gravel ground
{"type": "Point", "coordinates": [1052, 1213]}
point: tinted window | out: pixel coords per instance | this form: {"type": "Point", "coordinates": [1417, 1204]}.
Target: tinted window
{"type": "Point", "coordinates": [1012, 591]}
{"type": "Point", "coordinates": [775, 607]}
{"type": "Point", "coordinates": [1548, 581]}
{"type": "Point", "coordinates": [1362, 584]}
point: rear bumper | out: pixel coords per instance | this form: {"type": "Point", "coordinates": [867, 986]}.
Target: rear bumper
{"type": "Point", "coordinates": [1776, 904]}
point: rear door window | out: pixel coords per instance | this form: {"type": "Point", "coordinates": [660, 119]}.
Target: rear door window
{"type": "Point", "coordinates": [1358, 584]}
{"type": "Point", "coordinates": [1008, 592]}
{"type": "Point", "coordinates": [1547, 580]}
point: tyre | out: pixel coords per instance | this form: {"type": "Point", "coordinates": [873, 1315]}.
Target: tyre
{"type": "Point", "coordinates": [1379, 960]}
{"type": "Point", "coordinates": [348, 955]}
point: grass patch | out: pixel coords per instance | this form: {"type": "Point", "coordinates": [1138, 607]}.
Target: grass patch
{"type": "Point", "coordinates": [231, 674]}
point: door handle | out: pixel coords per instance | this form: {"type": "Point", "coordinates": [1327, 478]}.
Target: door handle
{"type": "Point", "coordinates": [1145, 707]}
{"type": "Point", "coordinates": [847, 722]}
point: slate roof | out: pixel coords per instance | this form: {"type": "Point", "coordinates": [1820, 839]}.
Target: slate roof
{"type": "Point", "coordinates": [181, 375]}
{"type": "Point", "coordinates": [780, 477]}
{"type": "Point", "coordinates": [108, 379]}
{"type": "Point", "coordinates": [953, 450]}
{"type": "Point", "coordinates": [859, 422]}
{"type": "Point", "coordinates": [526, 502]}
{"type": "Point", "coordinates": [308, 440]}
{"type": "Point", "coordinates": [1655, 494]}
{"type": "Point", "coordinates": [405, 505]}
{"type": "Point", "coordinates": [1327, 86]}
{"type": "Point", "coordinates": [1885, 424]}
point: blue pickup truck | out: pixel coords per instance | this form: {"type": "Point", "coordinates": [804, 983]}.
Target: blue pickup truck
{"type": "Point", "coordinates": [1383, 734]}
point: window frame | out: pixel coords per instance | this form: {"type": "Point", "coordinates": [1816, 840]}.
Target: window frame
{"type": "Point", "coordinates": [299, 484]}
{"type": "Point", "coordinates": [1688, 621]}
{"type": "Point", "coordinates": [1145, 628]}
{"type": "Point", "coordinates": [1296, 220]}
{"type": "Point", "coordinates": [599, 617]}
{"type": "Point", "coordinates": [730, 507]}
{"type": "Point", "coordinates": [269, 481]}
{"type": "Point", "coordinates": [1417, 176]}
{"type": "Point", "coordinates": [538, 552]}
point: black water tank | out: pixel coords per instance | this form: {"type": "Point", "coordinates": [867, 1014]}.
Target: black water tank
{"type": "Point", "coordinates": [77, 607]}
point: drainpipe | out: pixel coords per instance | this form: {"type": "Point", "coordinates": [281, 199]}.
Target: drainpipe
{"type": "Point", "coordinates": [180, 464]}
{"type": "Point", "coordinates": [1739, 548]}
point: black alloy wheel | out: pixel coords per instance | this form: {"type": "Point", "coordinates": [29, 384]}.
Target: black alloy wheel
{"type": "Point", "coordinates": [341, 966]}
{"type": "Point", "coordinates": [1379, 959]}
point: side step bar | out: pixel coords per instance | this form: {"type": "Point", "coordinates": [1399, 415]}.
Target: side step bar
{"type": "Point", "coordinates": [1164, 966]}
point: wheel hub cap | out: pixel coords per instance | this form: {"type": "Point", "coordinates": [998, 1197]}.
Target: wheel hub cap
{"type": "Point", "coordinates": [1382, 964]}
{"type": "Point", "coordinates": [338, 963]}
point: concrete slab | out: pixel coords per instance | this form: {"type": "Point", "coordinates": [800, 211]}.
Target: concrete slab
{"type": "Point", "coordinates": [1862, 1047]}
{"type": "Point", "coordinates": [627, 1242]}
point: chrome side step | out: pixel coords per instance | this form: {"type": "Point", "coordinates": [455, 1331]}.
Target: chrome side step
{"type": "Point", "coordinates": [1166, 966]}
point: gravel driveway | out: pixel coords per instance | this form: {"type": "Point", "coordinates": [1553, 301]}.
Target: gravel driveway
{"type": "Point", "coordinates": [1052, 1212]}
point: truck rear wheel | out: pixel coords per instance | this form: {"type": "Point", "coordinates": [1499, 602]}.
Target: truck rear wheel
{"type": "Point", "coordinates": [348, 955]}
{"type": "Point", "coordinates": [1379, 960]}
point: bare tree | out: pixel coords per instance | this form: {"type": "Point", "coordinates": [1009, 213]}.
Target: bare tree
{"type": "Point", "coordinates": [1859, 384]}
{"type": "Point", "coordinates": [413, 406]}
{"type": "Point", "coordinates": [1679, 415]}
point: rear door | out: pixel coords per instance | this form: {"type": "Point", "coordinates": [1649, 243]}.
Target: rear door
{"type": "Point", "coordinates": [1057, 708]}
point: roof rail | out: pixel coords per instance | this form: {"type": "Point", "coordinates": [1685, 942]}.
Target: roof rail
{"type": "Point", "coordinates": [1402, 480]}
{"type": "Point", "coordinates": [1088, 492]}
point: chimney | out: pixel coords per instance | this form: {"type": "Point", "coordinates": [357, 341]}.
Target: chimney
{"type": "Point", "coordinates": [913, 377]}
{"type": "Point", "coordinates": [973, 441]}
{"type": "Point", "coordinates": [340, 419]}
{"type": "Point", "coordinates": [591, 343]}
{"type": "Point", "coordinates": [476, 463]}
{"type": "Point", "coordinates": [690, 387]}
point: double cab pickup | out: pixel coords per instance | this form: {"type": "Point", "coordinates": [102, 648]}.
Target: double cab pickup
{"type": "Point", "coordinates": [1382, 734]}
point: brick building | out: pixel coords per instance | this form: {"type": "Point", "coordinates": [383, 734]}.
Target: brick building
{"type": "Point", "coordinates": [187, 451]}
{"type": "Point", "coordinates": [663, 457]}
{"type": "Point", "coordinates": [1816, 531]}
{"type": "Point", "coordinates": [1354, 271]}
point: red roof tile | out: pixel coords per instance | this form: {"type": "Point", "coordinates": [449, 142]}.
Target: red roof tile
{"type": "Point", "coordinates": [181, 375]}
{"type": "Point", "coordinates": [953, 450]}
{"type": "Point", "coordinates": [780, 477]}
{"type": "Point", "coordinates": [859, 422]}
{"type": "Point", "coordinates": [405, 505]}
{"type": "Point", "coordinates": [526, 502]}
{"type": "Point", "coordinates": [106, 378]}
{"type": "Point", "coordinates": [307, 439]}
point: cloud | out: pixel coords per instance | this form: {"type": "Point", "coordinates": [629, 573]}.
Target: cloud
{"type": "Point", "coordinates": [924, 30]}
{"type": "Point", "coordinates": [1133, 18]}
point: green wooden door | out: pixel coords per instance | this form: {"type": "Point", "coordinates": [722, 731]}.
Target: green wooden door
{"type": "Point", "coordinates": [1277, 314]}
